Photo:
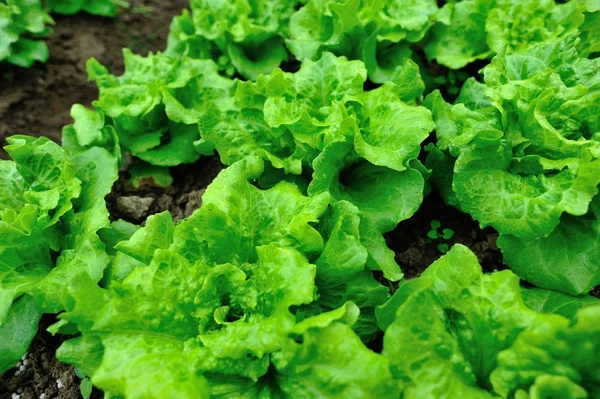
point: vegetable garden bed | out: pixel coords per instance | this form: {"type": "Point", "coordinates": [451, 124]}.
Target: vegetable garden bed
{"type": "Point", "coordinates": [326, 174]}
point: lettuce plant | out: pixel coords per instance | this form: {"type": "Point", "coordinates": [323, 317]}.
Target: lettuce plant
{"type": "Point", "coordinates": [320, 120]}
{"type": "Point", "coordinates": [22, 24]}
{"type": "Point", "coordinates": [389, 34]}
{"type": "Point", "coordinates": [378, 32]}
{"type": "Point", "coordinates": [218, 299]}
{"type": "Point", "coordinates": [246, 36]}
{"type": "Point", "coordinates": [521, 153]}
{"type": "Point", "coordinates": [51, 208]}
{"type": "Point", "coordinates": [452, 332]}
{"type": "Point", "coordinates": [155, 105]}
{"type": "Point", "coordinates": [478, 29]}
{"type": "Point", "coordinates": [456, 332]}
{"type": "Point", "coordinates": [107, 8]}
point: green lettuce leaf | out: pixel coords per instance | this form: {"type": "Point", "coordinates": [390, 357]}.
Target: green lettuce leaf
{"type": "Point", "coordinates": [546, 301]}
{"type": "Point", "coordinates": [342, 272]}
{"type": "Point", "coordinates": [384, 195]}
{"type": "Point", "coordinates": [344, 367]}
{"type": "Point", "coordinates": [568, 260]}
{"type": "Point", "coordinates": [376, 32]}
{"type": "Point", "coordinates": [520, 153]}
{"type": "Point", "coordinates": [456, 332]}
{"type": "Point", "coordinates": [22, 22]}
{"type": "Point", "coordinates": [556, 358]}
{"type": "Point", "coordinates": [244, 35]}
{"type": "Point", "coordinates": [105, 8]}
{"type": "Point", "coordinates": [17, 331]}
{"type": "Point", "coordinates": [155, 105]}
{"type": "Point", "coordinates": [241, 217]}
{"type": "Point", "coordinates": [454, 320]}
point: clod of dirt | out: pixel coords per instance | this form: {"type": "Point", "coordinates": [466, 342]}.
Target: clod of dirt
{"type": "Point", "coordinates": [181, 199]}
{"type": "Point", "coordinates": [134, 207]}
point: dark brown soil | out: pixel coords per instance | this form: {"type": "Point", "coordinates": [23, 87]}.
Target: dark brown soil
{"type": "Point", "coordinates": [182, 198]}
{"type": "Point", "coordinates": [415, 250]}
{"type": "Point", "coordinates": [43, 371]}
{"type": "Point", "coordinates": [37, 101]}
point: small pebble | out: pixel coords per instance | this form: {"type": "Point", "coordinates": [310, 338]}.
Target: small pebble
{"type": "Point", "coordinates": [43, 396]}
{"type": "Point", "coordinates": [66, 34]}
{"type": "Point", "coordinates": [18, 372]}
{"type": "Point", "coordinates": [59, 383]}
{"type": "Point", "coordinates": [26, 362]}
{"type": "Point", "coordinates": [134, 207]}
{"type": "Point", "coordinates": [22, 368]}
{"type": "Point", "coordinates": [15, 396]}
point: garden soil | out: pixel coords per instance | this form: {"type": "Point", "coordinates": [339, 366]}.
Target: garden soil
{"type": "Point", "coordinates": [37, 102]}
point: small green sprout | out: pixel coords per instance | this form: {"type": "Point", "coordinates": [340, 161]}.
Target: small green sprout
{"type": "Point", "coordinates": [447, 234]}
{"type": "Point", "coordinates": [435, 234]}
{"type": "Point", "coordinates": [443, 248]}
{"type": "Point", "coordinates": [85, 387]}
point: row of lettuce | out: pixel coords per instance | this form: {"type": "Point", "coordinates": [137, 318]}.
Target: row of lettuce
{"type": "Point", "coordinates": [251, 37]}
{"type": "Point", "coordinates": [268, 289]}
{"type": "Point", "coordinates": [265, 293]}
{"type": "Point", "coordinates": [519, 151]}
{"type": "Point", "coordinates": [24, 24]}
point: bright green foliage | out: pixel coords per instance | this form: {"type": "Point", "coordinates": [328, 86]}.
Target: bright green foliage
{"type": "Point", "coordinates": [51, 207]}
{"type": "Point", "coordinates": [154, 106]}
{"type": "Point", "coordinates": [455, 332]}
{"type": "Point", "coordinates": [341, 273]}
{"type": "Point", "coordinates": [22, 24]}
{"type": "Point", "coordinates": [344, 366]}
{"type": "Point", "coordinates": [478, 29]}
{"type": "Point", "coordinates": [217, 301]}
{"type": "Point", "coordinates": [278, 286]}
{"type": "Point", "coordinates": [107, 8]}
{"type": "Point", "coordinates": [378, 32]}
{"type": "Point", "coordinates": [361, 146]}
{"type": "Point", "coordinates": [388, 35]}
{"type": "Point", "coordinates": [85, 388]}
{"type": "Point", "coordinates": [17, 331]}
{"type": "Point", "coordinates": [546, 301]}
{"type": "Point", "coordinates": [251, 37]}
{"type": "Point", "coordinates": [243, 34]}
{"type": "Point", "coordinates": [572, 348]}
{"type": "Point", "coordinates": [528, 152]}
{"type": "Point", "coordinates": [156, 175]}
